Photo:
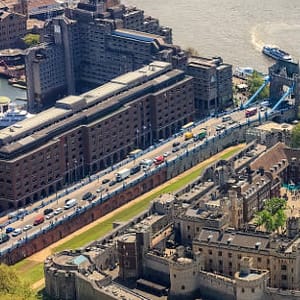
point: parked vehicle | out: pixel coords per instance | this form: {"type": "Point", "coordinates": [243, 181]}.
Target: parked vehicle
{"type": "Point", "coordinates": [4, 238]}
{"type": "Point", "coordinates": [113, 182]}
{"type": "Point", "coordinates": [176, 144]}
{"type": "Point", "coordinates": [100, 190]}
{"type": "Point", "coordinates": [135, 153]}
{"type": "Point", "coordinates": [71, 203]}
{"type": "Point", "coordinates": [17, 232]}
{"type": "Point", "coordinates": [47, 211]}
{"type": "Point", "coordinates": [122, 174]}
{"type": "Point", "coordinates": [106, 180]}
{"type": "Point", "coordinates": [50, 216]}
{"type": "Point", "coordinates": [12, 215]}
{"type": "Point", "coordinates": [175, 149]}
{"type": "Point", "coordinates": [135, 169]}
{"type": "Point", "coordinates": [38, 220]}
{"type": "Point", "coordinates": [166, 154]}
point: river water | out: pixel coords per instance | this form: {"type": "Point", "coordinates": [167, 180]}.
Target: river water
{"type": "Point", "coordinates": [236, 30]}
{"type": "Point", "coordinates": [11, 92]}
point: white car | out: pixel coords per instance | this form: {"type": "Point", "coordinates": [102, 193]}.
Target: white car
{"type": "Point", "coordinates": [27, 227]}
{"type": "Point", "coordinates": [50, 215]}
{"type": "Point", "coordinates": [17, 232]}
{"type": "Point", "coordinates": [58, 211]}
{"type": "Point", "coordinates": [166, 154]}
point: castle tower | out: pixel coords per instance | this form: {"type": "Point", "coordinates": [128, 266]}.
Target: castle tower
{"type": "Point", "coordinates": [250, 283]}
{"type": "Point", "coordinates": [184, 277]}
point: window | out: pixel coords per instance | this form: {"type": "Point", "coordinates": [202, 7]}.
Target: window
{"type": "Point", "coordinates": [243, 290]}
{"type": "Point", "coordinates": [283, 277]}
{"type": "Point", "coordinates": [182, 287]}
{"type": "Point", "coordinates": [229, 254]}
{"type": "Point", "coordinates": [220, 253]}
{"type": "Point", "coordinates": [253, 290]}
{"type": "Point", "coordinates": [259, 259]}
{"type": "Point", "coordinates": [209, 252]}
{"type": "Point", "coordinates": [283, 267]}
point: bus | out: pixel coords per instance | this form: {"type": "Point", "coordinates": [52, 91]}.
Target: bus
{"type": "Point", "coordinates": [187, 126]}
{"type": "Point", "coordinates": [135, 153]}
{"type": "Point", "coordinates": [201, 135]}
{"type": "Point", "coordinates": [250, 112]}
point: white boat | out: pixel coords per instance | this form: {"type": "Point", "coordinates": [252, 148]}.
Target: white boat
{"type": "Point", "coordinates": [13, 115]}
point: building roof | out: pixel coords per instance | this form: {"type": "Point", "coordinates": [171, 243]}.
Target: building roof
{"type": "Point", "coordinates": [234, 238]}
{"type": "Point", "coordinates": [270, 158]}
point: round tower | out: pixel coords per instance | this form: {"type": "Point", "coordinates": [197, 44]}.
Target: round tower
{"type": "Point", "coordinates": [183, 278]}
{"type": "Point", "coordinates": [250, 283]}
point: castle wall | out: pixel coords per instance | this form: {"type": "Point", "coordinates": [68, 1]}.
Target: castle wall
{"type": "Point", "coordinates": [156, 268]}
{"type": "Point", "coordinates": [216, 287]}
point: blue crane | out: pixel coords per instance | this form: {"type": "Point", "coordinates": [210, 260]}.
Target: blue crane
{"type": "Point", "coordinates": [266, 81]}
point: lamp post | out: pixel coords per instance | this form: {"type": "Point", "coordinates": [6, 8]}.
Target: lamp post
{"type": "Point", "coordinates": [75, 169]}
{"type": "Point", "coordinates": [137, 138]}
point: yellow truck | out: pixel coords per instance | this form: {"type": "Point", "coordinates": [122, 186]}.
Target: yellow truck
{"type": "Point", "coordinates": [188, 135]}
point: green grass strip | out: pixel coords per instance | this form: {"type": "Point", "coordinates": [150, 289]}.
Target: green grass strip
{"type": "Point", "coordinates": [30, 271]}
{"type": "Point", "coordinates": [103, 228]}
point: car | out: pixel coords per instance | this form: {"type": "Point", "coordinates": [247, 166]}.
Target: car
{"type": "Point", "coordinates": [9, 229]}
{"type": "Point", "coordinates": [50, 216]}
{"type": "Point", "coordinates": [113, 182]}
{"type": "Point", "coordinates": [166, 154]}
{"type": "Point", "coordinates": [58, 211]}
{"type": "Point", "coordinates": [17, 232]}
{"type": "Point", "coordinates": [48, 211]}
{"type": "Point", "coordinates": [176, 144]}
{"type": "Point", "coordinates": [100, 190]}
{"type": "Point", "coordinates": [27, 227]}
{"type": "Point", "coordinates": [263, 108]}
{"type": "Point", "coordinates": [106, 180]}
{"type": "Point", "coordinates": [87, 196]}
{"type": "Point", "coordinates": [175, 149]}
{"type": "Point", "coordinates": [226, 118]}
{"type": "Point", "coordinates": [231, 122]}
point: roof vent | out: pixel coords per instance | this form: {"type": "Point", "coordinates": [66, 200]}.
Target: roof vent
{"type": "Point", "coordinates": [229, 240]}
{"type": "Point", "coordinates": [210, 237]}
{"type": "Point", "coordinates": [257, 245]}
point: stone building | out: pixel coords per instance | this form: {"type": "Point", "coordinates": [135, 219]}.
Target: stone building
{"type": "Point", "coordinates": [154, 255]}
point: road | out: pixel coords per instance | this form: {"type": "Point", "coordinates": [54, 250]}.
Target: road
{"type": "Point", "coordinates": [210, 125]}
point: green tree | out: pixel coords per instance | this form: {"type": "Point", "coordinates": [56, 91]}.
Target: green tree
{"type": "Point", "coordinates": [12, 287]}
{"type": "Point", "coordinates": [192, 51]}
{"type": "Point", "coordinates": [254, 82]}
{"type": "Point", "coordinates": [31, 39]}
{"type": "Point", "coordinates": [273, 216]}
{"type": "Point", "coordinates": [295, 138]}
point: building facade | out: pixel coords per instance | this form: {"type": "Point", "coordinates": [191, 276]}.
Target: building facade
{"type": "Point", "coordinates": [98, 40]}
{"type": "Point", "coordinates": [213, 84]}
{"type": "Point", "coordinates": [74, 138]}
{"type": "Point", "coordinates": [12, 28]}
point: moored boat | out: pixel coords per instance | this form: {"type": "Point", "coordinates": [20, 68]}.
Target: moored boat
{"type": "Point", "coordinates": [276, 53]}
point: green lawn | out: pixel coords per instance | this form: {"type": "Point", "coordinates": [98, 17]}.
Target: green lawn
{"type": "Point", "coordinates": [32, 271]}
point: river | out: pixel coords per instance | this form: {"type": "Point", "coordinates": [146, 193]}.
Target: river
{"type": "Point", "coordinates": [11, 92]}
{"type": "Point", "coordinates": [236, 30]}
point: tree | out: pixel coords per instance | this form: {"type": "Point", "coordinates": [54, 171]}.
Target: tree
{"type": "Point", "coordinates": [273, 216]}
{"type": "Point", "coordinates": [254, 82]}
{"type": "Point", "coordinates": [295, 138]}
{"type": "Point", "coordinates": [31, 39]}
{"type": "Point", "coordinates": [12, 287]}
{"type": "Point", "coordinates": [192, 51]}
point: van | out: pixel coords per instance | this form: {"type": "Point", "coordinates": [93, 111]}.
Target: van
{"type": "Point", "coordinates": [70, 203]}
{"type": "Point", "coordinates": [38, 220]}
{"type": "Point", "coordinates": [159, 160]}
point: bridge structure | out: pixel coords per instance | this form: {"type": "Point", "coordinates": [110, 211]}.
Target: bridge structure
{"type": "Point", "coordinates": [284, 82]}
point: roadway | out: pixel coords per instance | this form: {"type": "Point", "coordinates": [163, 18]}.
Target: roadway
{"type": "Point", "coordinates": [82, 188]}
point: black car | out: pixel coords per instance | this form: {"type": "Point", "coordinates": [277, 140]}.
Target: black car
{"type": "Point", "coordinates": [106, 180]}
{"type": "Point", "coordinates": [175, 149]}
{"type": "Point", "coordinates": [135, 169]}
{"type": "Point", "coordinates": [176, 144]}
{"type": "Point", "coordinates": [87, 196]}
{"type": "Point", "coordinates": [113, 182]}
{"type": "Point", "coordinates": [48, 211]}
